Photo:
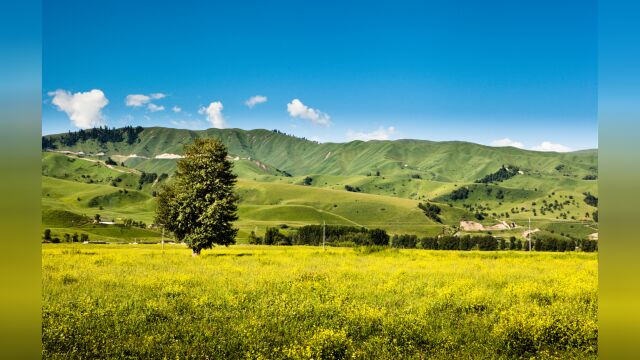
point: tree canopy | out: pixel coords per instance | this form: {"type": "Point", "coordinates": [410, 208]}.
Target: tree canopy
{"type": "Point", "coordinates": [199, 204]}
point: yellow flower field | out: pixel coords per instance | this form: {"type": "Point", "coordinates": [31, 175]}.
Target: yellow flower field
{"type": "Point", "coordinates": [138, 301]}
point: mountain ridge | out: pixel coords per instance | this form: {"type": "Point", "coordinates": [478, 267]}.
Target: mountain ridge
{"type": "Point", "coordinates": [434, 160]}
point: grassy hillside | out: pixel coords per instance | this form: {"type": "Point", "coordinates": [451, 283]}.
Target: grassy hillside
{"type": "Point", "coordinates": [386, 179]}
{"type": "Point", "coordinates": [441, 161]}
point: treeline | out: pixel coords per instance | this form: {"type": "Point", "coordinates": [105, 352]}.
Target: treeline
{"type": "Point", "coordinates": [100, 134]}
{"type": "Point", "coordinates": [483, 242]}
{"type": "Point", "coordinates": [504, 173]}
{"type": "Point", "coordinates": [334, 235]}
{"type": "Point", "coordinates": [351, 236]}
{"type": "Point", "coordinates": [47, 238]}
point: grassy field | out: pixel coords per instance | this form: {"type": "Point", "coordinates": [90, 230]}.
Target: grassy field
{"type": "Point", "coordinates": [138, 301]}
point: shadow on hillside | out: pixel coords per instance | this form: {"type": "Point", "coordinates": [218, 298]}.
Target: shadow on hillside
{"type": "Point", "coordinates": [230, 255]}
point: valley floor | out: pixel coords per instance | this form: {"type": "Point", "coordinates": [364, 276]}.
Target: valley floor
{"type": "Point", "coordinates": [139, 301]}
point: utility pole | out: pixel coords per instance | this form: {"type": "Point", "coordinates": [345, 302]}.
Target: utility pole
{"type": "Point", "coordinates": [162, 241]}
{"type": "Point", "coordinates": [323, 234]}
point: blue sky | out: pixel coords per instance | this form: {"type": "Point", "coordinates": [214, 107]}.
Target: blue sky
{"type": "Point", "coordinates": [481, 71]}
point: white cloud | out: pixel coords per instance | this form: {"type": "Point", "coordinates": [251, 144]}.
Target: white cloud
{"type": "Point", "coordinates": [255, 100]}
{"type": "Point", "coordinates": [155, 108]}
{"type": "Point", "coordinates": [214, 114]}
{"type": "Point", "coordinates": [507, 142]}
{"type": "Point", "coordinates": [297, 109]}
{"type": "Point", "coordinates": [136, 100]}
{"type": "Point", "coordinates": [176, 109]}
{"type": "Point", "coordinates": [83, 108]}
{"type": "Point", "coordinates": [549, 146]}
{"type": "Point", "coordinates": [380, 134]}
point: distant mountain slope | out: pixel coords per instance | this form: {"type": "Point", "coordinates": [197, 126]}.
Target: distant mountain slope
{"type": "Point", "coordinates": [448, 161]}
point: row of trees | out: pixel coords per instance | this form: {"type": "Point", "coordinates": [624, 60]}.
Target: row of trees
{"type": "Point", "coordinates": [336, 235]}
{"type": "Point", "coordinates": [100, 134]}
{"type": "Point", "coordinates": [46, 237]}
{"type": "Point", "coordinates": [431, 211]}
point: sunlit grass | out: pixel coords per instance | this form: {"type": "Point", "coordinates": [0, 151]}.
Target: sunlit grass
{"type": "Point", "coordinates": [138, 301]}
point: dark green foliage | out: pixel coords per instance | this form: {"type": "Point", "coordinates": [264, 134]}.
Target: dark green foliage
{"type": "Point", "coordinates": [431, 211]}
{"type": "Point", "coordinates": [487, 243]}
{"type": "Point", "coordinates": [416, 176]}
{"type": "Point", "coordinates": [74, 237]}
{"type": "Point", "coordinates": [379, 237]}
{"type": "Point", "coordinates": [428, 243]}
{"type": "Point", "coordinates": [67, 237]}
{"type": "Point", "coordinates": [404, 241]}
{"type": "Point", "coordinates": [590, 177]}
{"type": "Point", "coordinates": [284, 173]}
{"type": "Point", "coordinates": [254, 239]}
{"type": "Point", "coordinates": [110, 161]}
{"type": "Point", "coordinates": [200, 205]}
{"type": "Point", "coordinates": [48, 143]}
{"type": "Point", "coordinates": [459, 194]}
{"type": "Point", "coordinates": [273, 236]}
{"type": "Point", "coordinates": [479, 216]}
{"type": "Point", "coordinates": [594, 216]}
{"type": "Point", "coordinates": [547, 243]}
{"type": "Point", "coordinates": [47, 234]}
{"type": "Point", "coordinates": [504, 173]}
{"type": "Point", "coordinates": [84, 237]}
{"type": "Point", "coordinates": [147, 178]}
{"type": "Point", "coordinates": [500, 194]}
{"type": "Point", "coordinates": [339, 234]}
{"type": "Point", "coordinates": [590, 199]}
{"type": "Point", "coordinates": [307, 181]}
{"type": "Point", "coordinates": [589, 245]}
{"type": "Point", "coordinates": [100, 134]}
{"type": "Point", "coordinates": [352, 189]}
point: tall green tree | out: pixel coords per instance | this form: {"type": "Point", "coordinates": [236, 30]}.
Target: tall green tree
{"type": "Point", "coordinates": [199, 205]}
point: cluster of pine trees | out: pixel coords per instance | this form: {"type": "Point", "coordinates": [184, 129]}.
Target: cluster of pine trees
{"type": "Point", "coordinates": [504, 173]}
{"type": "Point", "coordinates": [100, 134]}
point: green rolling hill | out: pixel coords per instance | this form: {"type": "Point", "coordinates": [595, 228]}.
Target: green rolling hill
{"type": "Point", "coordinates": [294, 181]}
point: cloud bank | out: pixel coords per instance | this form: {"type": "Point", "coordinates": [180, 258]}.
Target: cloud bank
{"type": "Point", "coordinates": [83, 108]}
{"type": "Point", "coordinates": [507, 142]}
{"type": "Point", "coordinates": [380, 134]}
{"type": "Point", "coordinates": [544, 146]}
{"type": "Point", "coordinates": [549, 146]}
